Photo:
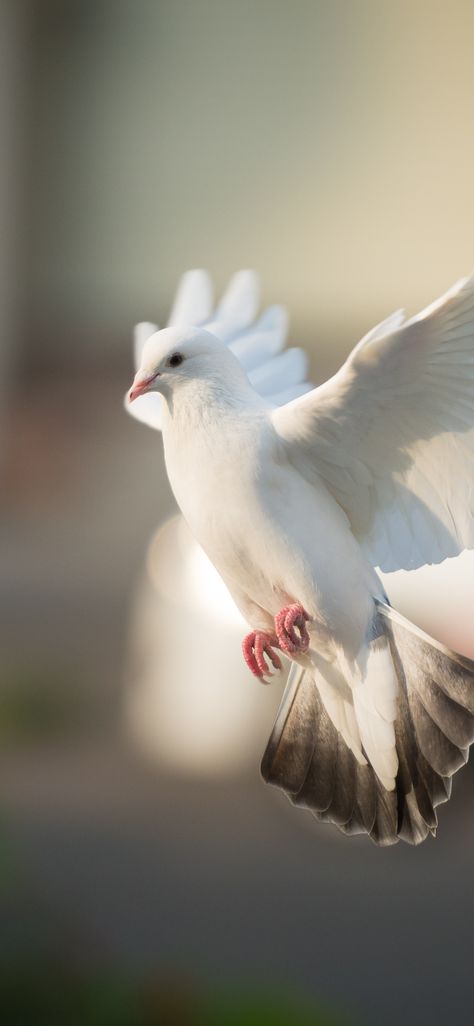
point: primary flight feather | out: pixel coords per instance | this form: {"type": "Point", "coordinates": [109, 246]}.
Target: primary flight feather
{"type": "Point", "coordinates": [296, 495]}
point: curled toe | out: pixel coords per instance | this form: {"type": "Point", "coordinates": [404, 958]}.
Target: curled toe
{"type": "Point", "coordinates": [289, 618]}
{"type": "Point", "coordinates": [259, 654]}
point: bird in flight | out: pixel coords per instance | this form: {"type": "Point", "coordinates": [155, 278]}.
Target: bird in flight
{"type": "Point", "coordinates": [297, 495]}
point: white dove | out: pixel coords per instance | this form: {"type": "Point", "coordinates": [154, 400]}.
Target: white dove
{"type": "Point", "coordinates": [295, 505]}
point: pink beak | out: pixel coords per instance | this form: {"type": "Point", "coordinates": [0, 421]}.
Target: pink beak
{"type": "Point", "coordinates": [141, 385]}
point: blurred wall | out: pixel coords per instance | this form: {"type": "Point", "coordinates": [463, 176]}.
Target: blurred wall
{"type": "Point", "coordinates": [14, 40]}
{"type": "Point", "coordinates": [328, 144]}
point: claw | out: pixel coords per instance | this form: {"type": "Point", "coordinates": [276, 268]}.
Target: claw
{"type": "Point", "coordinates": [285, 622]}
{"type": "Point", "coordinates": [259, 654]}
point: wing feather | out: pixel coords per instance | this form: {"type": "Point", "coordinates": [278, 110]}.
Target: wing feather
{"type": "Point", "coordinates": [193, 302]}
{"type": "Point", "coordinates": [141, 333]}
{"type": "Point", "coordinates": [392, 434]}
{"type": "Point", "coordinates": [286, 369]}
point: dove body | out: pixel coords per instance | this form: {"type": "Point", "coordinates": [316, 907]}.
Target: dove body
{"type": "Point", "coordinates": [274, 538]}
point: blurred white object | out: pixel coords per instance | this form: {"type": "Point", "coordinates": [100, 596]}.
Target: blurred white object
{"type": "Point", "coordinates": [190, 703]}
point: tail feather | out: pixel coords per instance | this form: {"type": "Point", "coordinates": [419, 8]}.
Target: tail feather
{"type": "Point", "coordinates": [417, 814]}
{"type": "Point", "coordinates": [440, 699]}
{"type": "Point", "coordinates": [444, 756]}
{"type": "Point", "coordinates": [318, 786]}
{"type": "Point", "coordinates": [365, 807]}
{"type": "Point", "coordinates": [308, 758]}
{"type": "Point", "coordinates": [341, 808]}
{"type": "Point", "coordinates": [438, 787]}
{"type": "Point", "coordinates": [452, 673]}
{"type": "Point", "coordinates": [385, 828]}
{"type": "Point", "coordinates": [454, 721]}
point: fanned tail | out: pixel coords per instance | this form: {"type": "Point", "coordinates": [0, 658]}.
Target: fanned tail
{"type": "Point", "coordinates": [308, 759]}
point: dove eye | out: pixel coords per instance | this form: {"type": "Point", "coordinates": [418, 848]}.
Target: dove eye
{"type": "Point", "coordinates": [175, 360]}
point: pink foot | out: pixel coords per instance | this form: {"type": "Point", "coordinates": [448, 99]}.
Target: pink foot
{"type": "Point", "coordinates": [257, 649]}
{"type": "Point", "coordinates": [285, 622]}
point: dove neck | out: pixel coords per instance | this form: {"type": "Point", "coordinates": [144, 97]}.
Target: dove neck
{"type": "Point", "coordinates": [206, 429]}
{"type": "Point", "coordinates": [201, 402]}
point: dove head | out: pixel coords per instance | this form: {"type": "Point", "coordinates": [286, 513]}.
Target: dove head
{"type": "Point", "coordinates": [174, 358]}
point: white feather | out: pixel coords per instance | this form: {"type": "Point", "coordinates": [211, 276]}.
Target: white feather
{"type": "Point", "coordinates": [141, 333]}
{"type": "Point", "coordinates": [239, 304]}
{"type": "Point", "coordinates": [193, 301]}
{"type": "Point", "coordinates": [286, 369]}
{"type": "Point", "coordinates": [392, 434]}
{"type": "Point", "coordinates": [280, 398]}
{"type": "Point", "coordinates": [263, 340]}
{"type": "Point", "coordinates": [148, 409]}
{"type": "Point", "coordinates": [375, 691]}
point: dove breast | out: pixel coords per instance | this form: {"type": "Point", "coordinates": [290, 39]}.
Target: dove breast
{"type": "Point", "coordinates": [273, 537]}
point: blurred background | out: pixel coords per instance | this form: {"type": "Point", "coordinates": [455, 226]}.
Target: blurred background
{"type": "Point", "coordinates": [147, 876]}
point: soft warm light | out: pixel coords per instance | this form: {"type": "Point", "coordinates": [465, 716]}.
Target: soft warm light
{"type": "Point", "coordinates": [192, 703]}
{"type": "Point", "coordinates": [209, 588]}
{"type": "Point", "coordinates": [439, 599]}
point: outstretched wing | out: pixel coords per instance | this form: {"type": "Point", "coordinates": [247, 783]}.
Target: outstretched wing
{"type": "Point", "coordinates": [392, 434]}
{"type": "Point", "coordinates": [277, 373]}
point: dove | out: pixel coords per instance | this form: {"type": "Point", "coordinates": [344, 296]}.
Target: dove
{"type": "Point", "coordinates": [297, 500]}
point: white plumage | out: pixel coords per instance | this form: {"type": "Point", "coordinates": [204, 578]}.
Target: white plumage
{"type": "Point", "coordinates": [297, 495]}
{"type": "Point", "coordinates": [392, 434]}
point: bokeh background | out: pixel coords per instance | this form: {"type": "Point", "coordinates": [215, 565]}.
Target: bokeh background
{"type": "Point", "coordinates": [147, 876]}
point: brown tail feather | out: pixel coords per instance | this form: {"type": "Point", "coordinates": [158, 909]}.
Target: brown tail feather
{"type": "Point", "coordinates": [307, 758]}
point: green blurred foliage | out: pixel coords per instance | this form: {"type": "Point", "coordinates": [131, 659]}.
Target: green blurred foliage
{"type": "Point", "coordinates": [47, 996]}
{"type": "Point", "coordinates": [40, 703]}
